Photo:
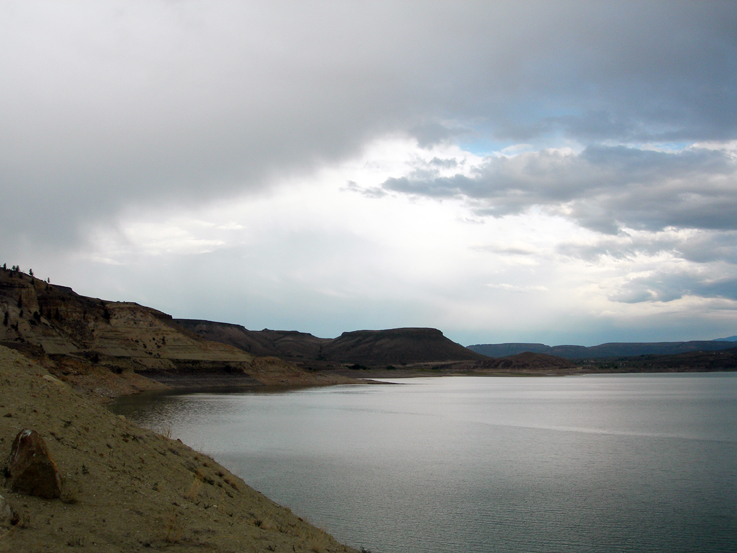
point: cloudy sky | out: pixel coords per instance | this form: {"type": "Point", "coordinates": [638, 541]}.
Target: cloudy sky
{"type": "Point", "coordinates": [556, 172]}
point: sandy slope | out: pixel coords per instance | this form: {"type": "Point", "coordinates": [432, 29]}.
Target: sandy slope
{"type": "Point", "coordinates": [126, 488]}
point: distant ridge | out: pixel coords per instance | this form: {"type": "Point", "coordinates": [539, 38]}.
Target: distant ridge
{"type": "Point", "coordinates": [603, 351]}
{"type": "Point", "coordinates": [399, 346]}
{"type": "Point", "coordinates": [529, 361]}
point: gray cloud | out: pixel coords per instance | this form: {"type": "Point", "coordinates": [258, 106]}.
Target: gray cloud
{"type": "Point", "coordinates": [702, 247]}
{"type": "Point", "coordinates": [372, 192]}
{"type": "Point", "coordinates": [602, 188]}
{"type": "Point", "coordinates": [666, 287]}
{"type": "Point", "coordinates": [107, 106]}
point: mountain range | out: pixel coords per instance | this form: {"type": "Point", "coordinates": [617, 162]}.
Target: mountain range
{"type": "Point", "coordinates": [604, 351]}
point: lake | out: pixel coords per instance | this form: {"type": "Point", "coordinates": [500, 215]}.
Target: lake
{"type": "Point", "coordinates": [595, 463]}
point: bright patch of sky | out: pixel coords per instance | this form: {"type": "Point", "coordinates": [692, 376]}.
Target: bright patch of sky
{"type": "Point", "coordinates": [337, 239]}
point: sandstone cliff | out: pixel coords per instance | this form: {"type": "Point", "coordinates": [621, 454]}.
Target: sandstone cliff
{"type": "Point", "coordinates": [112, 348]}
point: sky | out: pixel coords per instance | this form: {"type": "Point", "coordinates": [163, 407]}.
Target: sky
{"type": "Point", "coordinates": [527, 171]}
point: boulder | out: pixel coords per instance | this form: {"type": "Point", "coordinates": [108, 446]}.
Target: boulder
{"type": "Point", "coordinates": [7, 514]}
{"type": "Point", "coordinates": [32, 470]}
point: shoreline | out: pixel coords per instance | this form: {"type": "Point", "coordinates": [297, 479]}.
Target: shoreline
{"type": "Point", "coordinates": [186, 382]}
{"type": "Point", "coordinates": [180, 384]}
{"type": "Point", "coordinates": [126, 488]}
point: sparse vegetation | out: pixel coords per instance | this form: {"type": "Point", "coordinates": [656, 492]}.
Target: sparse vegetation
{"type": "Point", "coordinates": [173, 528]}
{"type": "Point", "coordinates": [69, 491]}
{"type": "Point", "coordinates": [195, 488]}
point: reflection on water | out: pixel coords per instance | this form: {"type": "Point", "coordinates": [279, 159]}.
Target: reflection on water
{"type": "Point", "coordinates": [595, 463]}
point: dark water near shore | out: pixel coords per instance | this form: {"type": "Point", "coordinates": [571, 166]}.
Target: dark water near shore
{"type": "Point", "coordinates": [438, 465]}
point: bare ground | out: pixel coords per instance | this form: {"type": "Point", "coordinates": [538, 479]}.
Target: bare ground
{"type": "Point", "coordinates": [126, 488]}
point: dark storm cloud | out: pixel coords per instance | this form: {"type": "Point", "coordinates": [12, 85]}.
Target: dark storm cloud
{"type": "Point", "coordinates": [114, 105]}
{"type": "Point", "coordinates": [602, 188]}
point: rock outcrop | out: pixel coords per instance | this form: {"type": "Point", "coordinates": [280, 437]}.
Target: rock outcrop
{"type": "Point", "coordinates": [32, 470]}
{"type": "Point", "coordinates": [8, 516]}
{"type": "Point", "coordinates": [107, 348]}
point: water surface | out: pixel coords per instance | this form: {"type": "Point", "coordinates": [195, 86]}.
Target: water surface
{"type": "Point", "coordinates": [441, 465]}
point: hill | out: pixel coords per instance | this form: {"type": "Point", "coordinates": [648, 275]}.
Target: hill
{"type": "Point", "coordinates": [529, 362]}
{"type": "Point", "coordinates": [692, 361]}
{"type": "Point", "coordinates": [111, 348]}
{"type": "Point", "coordinates": [603, 351]}
{"type": "Point", "coordinates": [399, 346]}
{"type": "Point", "coordinates": [287, 344]}
{"type": "Point", "coordinates": [402, 346]}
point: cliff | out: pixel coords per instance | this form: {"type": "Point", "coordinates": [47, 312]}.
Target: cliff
{"type": "Point", "coordinates": [111, 348]}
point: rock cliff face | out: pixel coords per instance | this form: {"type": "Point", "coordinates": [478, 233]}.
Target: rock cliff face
{"type": "Point", "coordinates": [112, 348]}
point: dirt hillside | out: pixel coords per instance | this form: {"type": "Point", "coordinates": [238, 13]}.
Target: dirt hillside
{"type": "Point", "coordinates": [126, 488]}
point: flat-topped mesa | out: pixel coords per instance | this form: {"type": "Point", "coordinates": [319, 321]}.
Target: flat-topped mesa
{"type": "Point", "coordinates": [407, 332]}
{"type": "Point", "coordinates": [396, 346]}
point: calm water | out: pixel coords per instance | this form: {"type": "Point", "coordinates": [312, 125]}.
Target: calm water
{"type": "Point", "coordinates": [439, 465]}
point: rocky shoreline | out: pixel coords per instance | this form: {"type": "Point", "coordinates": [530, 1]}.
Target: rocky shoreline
{"type": "Point", "coordinates": [125, 488]}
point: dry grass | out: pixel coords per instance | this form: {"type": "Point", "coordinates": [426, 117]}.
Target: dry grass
{"type": "Point", "coordinates": [69, 491]}
{"type": "Point", "coordinates": [195, 488]}
{"type": "Point", "coordinates": [173, 528]}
